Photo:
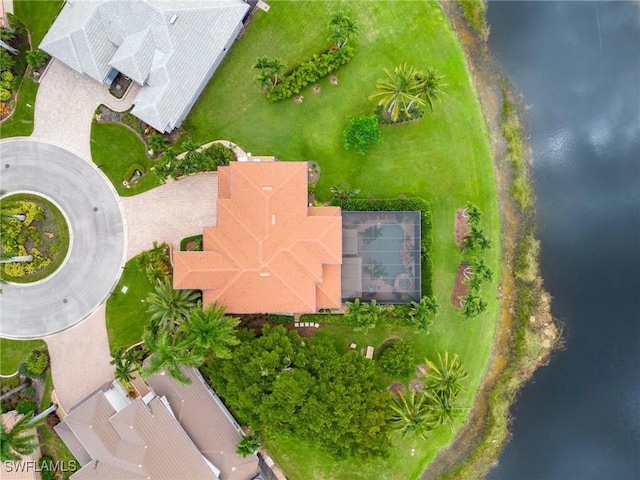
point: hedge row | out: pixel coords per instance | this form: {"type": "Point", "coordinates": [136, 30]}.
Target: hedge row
{"type": "Point", "coordinates": [308, 72]}
{"type": "Point", "coordinates": [403, 204]}
{"type": "Point", "coordinates": [207, 160]}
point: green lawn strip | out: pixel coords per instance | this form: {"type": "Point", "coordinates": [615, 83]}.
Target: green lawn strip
{"type": "Point", "coordinates": [20, 124]}
{"type": "Point", "coordinates": [127, 312]}
{"type": "Point", "coordinates": [45, 402]}
{"type": "Point", "coordinates": [117, 148]}
{"type": "Point", "coordinates": [62, 237]}
{"type": "Point", "coordinates": [13, 353]}
{"type": "Point", "coordinates": [444, 158]}
{"type": "Point", "coordinates": [38, 17]}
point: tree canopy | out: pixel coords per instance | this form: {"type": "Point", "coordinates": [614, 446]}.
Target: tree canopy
{"type": "Point", "coordinates": [281, 384]}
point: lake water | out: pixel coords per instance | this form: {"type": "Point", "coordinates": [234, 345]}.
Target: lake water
{"type": "Point", "coordinates": [578, 66]}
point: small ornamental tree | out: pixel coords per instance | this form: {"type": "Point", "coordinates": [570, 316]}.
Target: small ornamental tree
{"type": "Point", "coordinates": [36, 58]}
{"type": "Point", "coordinates": [35, 365]}
{"type": "Point", "coordinates": [248, 445]}
{"type": "Point", "coordinates": [361, 132]}
{"type": "Point", "coordinates": [397, 359]}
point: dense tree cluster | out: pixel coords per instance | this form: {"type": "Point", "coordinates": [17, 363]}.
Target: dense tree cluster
{"type": "Point", "coordinates": [282, 384]}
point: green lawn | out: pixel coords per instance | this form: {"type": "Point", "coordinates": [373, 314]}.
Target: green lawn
{"type": "Point", "coordinates": [127, 312]}
{"type": "Point", "coordinates": [444, 157]}
{"type": "Point", "coordinates": [38, 17]}
{"type": "Point", "coordinates": [117, 148]}
{"type": "Point", "coordinates": [13, 353]}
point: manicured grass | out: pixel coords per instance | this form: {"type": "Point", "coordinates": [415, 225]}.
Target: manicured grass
{"type": "Point", "coordinates": [13, 353]}
{"type": "Point", "coordinates": [116, 148]}
{"type": "Point", "coordinates": [21, 122]}
{"type": "Point", "coordinates": [444, 157]}
{"type": "Point", "coordinates": [38, 17]}
{"type": "Point", "coordinates": [127, 312]}
{"type": "Point", "coordinates": [54, 223]}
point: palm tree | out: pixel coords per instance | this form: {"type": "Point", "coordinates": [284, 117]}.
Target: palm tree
{"type": "Point", "coordinates": [446, 375]}
{"type": "Point", "coordinates": [421, 313]}
{"type": "Point", "coordinates": [411, 415]}
{"type": "Point", "coordinates": [343, 29]}
{"type": "Point", "coordinates": [430, 86]}
{"type": "Point", "coordinates": [476, 241]}
{"type": "Point", "coordinates": [124, 367]}
{"type": "Point", "coordinates": [473, 214]}
{"type": "Point", "coordinates": [472, 306]}
{"type": "Point", "coordinates": [398, 92]}
{"type": "Point", "coordinates": [262, 63]}
{"type": "Point", "coordinates": [248, 445]}
{"type": "Point", "coordinates": [210, 331]}
{"type": "Point", "coordinates": [170, 352]}
{"type": "Point", "coordinates": [481, 269]}
{"type": "Point", "coordinates": [266, 82]}
{"type": "Point", "coordinates": [17, 442]}
{"type": "Point", "coordinates": [443, 407]}
{"type": "Point", "coordinates": [475, 282]}
{"type": "Point", "coordinates": [158, 143]}
{"type": "Point", "coordinates": [355, 311]}
{"type": "Point", "coordinates": [169, 307]}
{"type": "Point", "coordinates": [276, 67]}
{"type": "Point", "coordinates": [370, 317]}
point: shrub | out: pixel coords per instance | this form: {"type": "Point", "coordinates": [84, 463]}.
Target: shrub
{"type": "Point", "coordinates": [6, 61]}
{"type": "Point", "coordinates": [26, 407]}
{"type": "Point", "coordinates": [309, 72]}
{"type": "Point", "coordinates": [47, 468]}
{"type": "Point", "coordinates": [4, 94]}
{"type": "Point", "coordinates": [29, 392]}
{"type": "Point", "coordinates": [361, 132]}
{"type": "Point", "coordinates": [403, 204]}
{"type": "Point", "coordinates": [527, 263]}
{"type": "Point", "coordinates": [36, 58]}
{"type": "Point", "coordinates": [36, 364]}
{"type": "Point", "coordinates": [6, 76]}
{"type": "Point", "coordinates": [132, 168]}
{"type": "Point", "coordinates": [4, 109]}
{"type": "Point", "coordinates": [397, 360]}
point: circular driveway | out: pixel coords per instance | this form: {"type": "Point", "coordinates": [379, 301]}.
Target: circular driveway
{"type": "Point", "coordinates": [94, 263]}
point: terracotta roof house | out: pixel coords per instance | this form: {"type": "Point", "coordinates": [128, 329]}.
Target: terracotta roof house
{"type": "Point", "coordinates": [270, 251]}
{"type": "Point", "coordinates": [178, 432]}
{"type": "Point", "coordinates": [170, 47]}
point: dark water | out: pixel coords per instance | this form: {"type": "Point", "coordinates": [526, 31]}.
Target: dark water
{"type": "Point", "coordinates": [578, 66]}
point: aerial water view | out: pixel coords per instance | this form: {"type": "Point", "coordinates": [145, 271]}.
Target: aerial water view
{"type": "Point", "coordinates": [319, 240]}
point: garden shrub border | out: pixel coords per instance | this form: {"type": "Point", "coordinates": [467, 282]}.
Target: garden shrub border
{"type": "Point", "coordinates": [403, 204]}
{"type": "Point", "coordinates": [309, 71]}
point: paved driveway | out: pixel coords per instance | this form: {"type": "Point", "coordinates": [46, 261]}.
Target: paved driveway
{"type": "Point", "coordinates": [65, 105]}
{"type": "Point", "coordinates": [96, 254]}
{"type": "Point", "coordinates": [171, 212]}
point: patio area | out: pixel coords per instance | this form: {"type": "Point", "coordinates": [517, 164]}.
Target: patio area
{"type": "Point", "coordinates": [381, 256]}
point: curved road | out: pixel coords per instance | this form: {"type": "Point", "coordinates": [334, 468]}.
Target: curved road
{"type": "Point", "coordinates": [98, 247]}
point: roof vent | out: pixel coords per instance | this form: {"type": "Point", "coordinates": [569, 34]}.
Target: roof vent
{"type": "Point", "coordinates": [173, 19]}
{"type": "Point", "coordinates": [264, 274]}
{"type": "Point", "coordinates": [273, 219]}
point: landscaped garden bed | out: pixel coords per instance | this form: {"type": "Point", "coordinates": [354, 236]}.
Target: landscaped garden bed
{"type": "Point", "coordinates": [35, 238]}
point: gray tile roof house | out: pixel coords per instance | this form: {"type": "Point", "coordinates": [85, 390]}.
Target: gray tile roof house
{"type": "Point", "coordinates": [174, 432]}
{"type": "Point", "coordinates": [170, 47]}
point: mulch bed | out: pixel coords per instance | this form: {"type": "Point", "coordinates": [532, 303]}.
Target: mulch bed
{"type": "Point", "coordinates": [191, 246]}
{"type": "Point", "coordinates": [462, 228]}
{"type": "Point", "coordinates": [459, 289]}
{"type": "Point", "coordinates": [397, 387]}
{"type": "Point", "coordinates": [416, 385]}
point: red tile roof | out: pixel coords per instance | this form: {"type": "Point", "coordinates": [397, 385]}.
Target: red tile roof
{"type": "Point", "coordinates": [270, 251]}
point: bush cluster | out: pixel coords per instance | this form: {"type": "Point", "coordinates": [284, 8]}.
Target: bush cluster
{"type": "Point", "coordinates": [35, 365]}
{"type": "Point", "coordinates": [403, 204]}
{"type": "Point", "coordinates": [397, 360]}
{"type": "Point", "coordinates": [308, 72]}
{"type": "Point", "coordinates": [362, 132]}
{"type": "Point", "coordinates": [207, 160]}
{"type": "Point", "coordinates": [26, 407]}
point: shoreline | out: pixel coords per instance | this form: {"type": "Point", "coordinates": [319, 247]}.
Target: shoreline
{"type": "Point", "coordinates": [478, 444]}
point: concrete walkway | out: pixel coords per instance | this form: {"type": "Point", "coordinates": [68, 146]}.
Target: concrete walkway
{"type": "Point", "coordinates": [65, 105]}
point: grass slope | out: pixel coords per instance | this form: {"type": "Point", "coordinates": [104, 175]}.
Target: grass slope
{"type": "Point", "coordinates": [38, 17]}
{"type": "Point", "coordinates": [116, 148]}
{"type": "Point", "coordinates": [127, 312]}
{"type": "Point", "coordinates": [13, 353]}
{"type": "Point", "coordinates": [444, 158]}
